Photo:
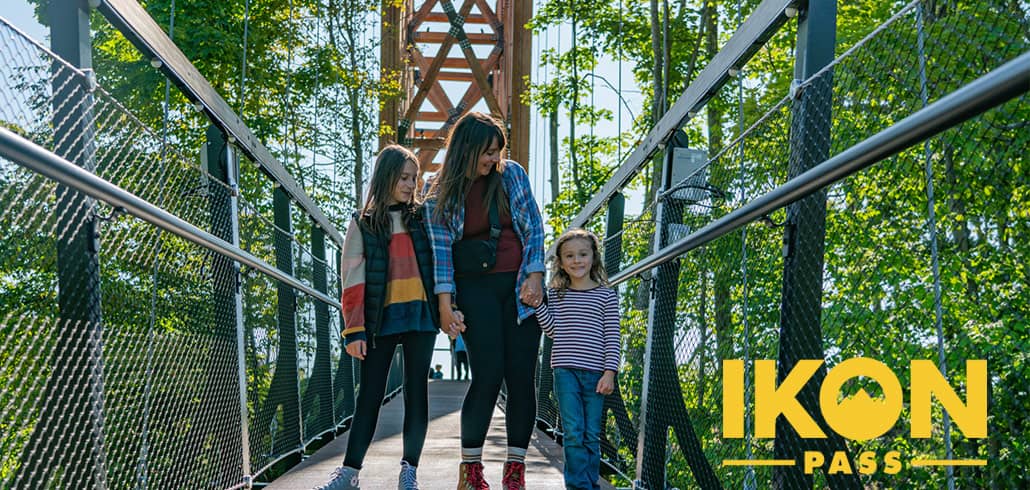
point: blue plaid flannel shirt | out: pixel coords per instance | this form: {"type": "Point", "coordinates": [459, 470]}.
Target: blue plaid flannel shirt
{"type": "Point", "coordinates": [526, 220]}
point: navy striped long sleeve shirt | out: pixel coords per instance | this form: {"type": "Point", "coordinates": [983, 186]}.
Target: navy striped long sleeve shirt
{"type": "Point", "coordinates": [585, 328]}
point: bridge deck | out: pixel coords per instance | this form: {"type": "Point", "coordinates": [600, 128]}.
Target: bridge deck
{"type": "Point", "coordinates": [439, 466]}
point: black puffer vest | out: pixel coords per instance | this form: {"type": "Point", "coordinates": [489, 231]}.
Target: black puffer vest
{"type": "Point", "coordinates": [377, 265]}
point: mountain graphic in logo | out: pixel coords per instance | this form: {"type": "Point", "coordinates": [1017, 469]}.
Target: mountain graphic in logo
{"type": "Point", "coordinates": [863, 416]}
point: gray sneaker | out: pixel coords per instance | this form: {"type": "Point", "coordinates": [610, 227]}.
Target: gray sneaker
{"type": "Point", "coordinates": [407, 479]}
{"type": "Point", "coordinates": [342, 478]}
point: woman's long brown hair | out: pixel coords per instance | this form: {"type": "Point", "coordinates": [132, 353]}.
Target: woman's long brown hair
{"type": "Point", "coordinates": [472, 137]}
{"type": "Point", "coordinates": [389, 167]}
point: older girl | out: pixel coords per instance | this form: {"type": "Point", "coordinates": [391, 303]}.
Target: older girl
{"type": "Point", "coordinates": [388, 283]}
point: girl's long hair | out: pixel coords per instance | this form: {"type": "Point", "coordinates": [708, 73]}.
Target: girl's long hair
{"type": "Point", "coordinates": [472, 137]}
{"type": "Point", "coordinates": [560, 279]}
{"type": "Point", "coordinates": [389, 167]}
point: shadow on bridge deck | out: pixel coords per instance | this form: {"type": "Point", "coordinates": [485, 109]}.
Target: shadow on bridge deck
{"type": "Point", "coordinates": [439, 466]}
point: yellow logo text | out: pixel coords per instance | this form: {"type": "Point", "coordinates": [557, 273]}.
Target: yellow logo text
{"type": "Point", "coordinates": [860, 416]}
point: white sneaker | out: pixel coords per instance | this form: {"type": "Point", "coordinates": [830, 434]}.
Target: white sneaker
{"type": "Point", "coordinates": [342, 478]}
{"type": "Point", "coordinates": [407, 479]}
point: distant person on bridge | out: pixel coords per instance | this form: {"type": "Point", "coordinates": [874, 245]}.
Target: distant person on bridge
{"type": "Point", "coordinates": [461, 358]}
{"type": "Point", "coordinates": [488, 244]}
{"type": "Point", "coordinates": [581, 314]}
{"type": "Point", "coordinates": [387, 268]}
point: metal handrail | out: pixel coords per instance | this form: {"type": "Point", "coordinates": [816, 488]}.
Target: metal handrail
{"type": "Point", "coordinates": [40, 160]}
{"type": "Point", "coordinates": [993, 89]}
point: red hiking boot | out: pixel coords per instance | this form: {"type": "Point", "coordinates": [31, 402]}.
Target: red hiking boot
{"type": "Point", "coordinates": [514, 476]}
{"type": "Point", "coordinates": [470, 477]}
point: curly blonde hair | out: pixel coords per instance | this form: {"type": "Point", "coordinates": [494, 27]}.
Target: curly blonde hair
{"type": "Point", "coordinates": [560, 279]}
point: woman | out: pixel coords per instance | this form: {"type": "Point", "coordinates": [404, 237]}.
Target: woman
{"type": "Point", "coordinates": [477, 191]}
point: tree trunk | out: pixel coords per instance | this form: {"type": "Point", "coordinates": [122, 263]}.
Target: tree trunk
{"type": "Point", "coordinates": [656, 102]}
{"type": "Point", "coordinates": [666, 49]}
{"type": "Point", "coordinates": [960, 230]}
{"type": "Point", "coordinates": [656, 50]}
{"type": "Point", "coordinates": [573, 108]}
{"type": "Point", "coordinates": [552, 124]}
{"type": "Point", "coordinates": [723, 269]}
{"type": "Point", "coordinates": [702, 26]}
{"type": "Point", "coordinates": [354, 104]}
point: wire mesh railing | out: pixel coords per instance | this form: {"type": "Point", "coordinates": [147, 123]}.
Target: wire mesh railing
{"type": "Point", "coordinates": [132, 353]}
{"type": "Point", "coordinates": [129, 358]}
{"type": "Point", "coordinates": [915, 258]}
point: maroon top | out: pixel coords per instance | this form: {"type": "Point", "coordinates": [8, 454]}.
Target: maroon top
{"type": "Point", "coordinates": [477, 227]}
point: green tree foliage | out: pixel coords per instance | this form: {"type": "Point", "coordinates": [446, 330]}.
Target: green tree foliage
{"type": "Point", "coordinates": [878, 295]}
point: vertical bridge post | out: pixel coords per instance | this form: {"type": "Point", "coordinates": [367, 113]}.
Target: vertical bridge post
{"type": "Point", "coordinates": [227, 304]}
{"type": "Point", "coordinates": [662, 397]}
{"type": "Point", "coordinates": [67, 442]}
{"type": "Point", "coordinates": [320, 384]}
{"type": "Point", "coordinates": [804, 242]}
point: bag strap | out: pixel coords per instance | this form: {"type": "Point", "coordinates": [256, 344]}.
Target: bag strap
{"type": "Point", "coordinates": [495, 222]}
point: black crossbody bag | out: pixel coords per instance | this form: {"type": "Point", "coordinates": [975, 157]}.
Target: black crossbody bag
{"type": "Point", "coordinates": [475, 257]}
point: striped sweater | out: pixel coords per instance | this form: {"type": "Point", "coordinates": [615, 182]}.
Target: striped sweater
{"type": "Point", "coordinates": [405, 305]}
{"type": "Point", "coordinates": [584, 326]}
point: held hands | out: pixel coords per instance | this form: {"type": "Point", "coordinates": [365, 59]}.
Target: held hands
{"type": "Point", "coordinates": [356, 349]}
{"type": "Point", "coordinates": [606, 385]}
{"type": "Point", "coordinates": [452, 322]}
{"type": "Point", "coordinates": [531, 293]}
{"type": "Point", "coordinates": [359, 348]}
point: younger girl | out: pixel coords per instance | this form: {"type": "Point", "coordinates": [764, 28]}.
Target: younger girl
{"type": "Point", "coordinates": [388, 279]}
{"type": "Point", "coordinates": [582, 316]}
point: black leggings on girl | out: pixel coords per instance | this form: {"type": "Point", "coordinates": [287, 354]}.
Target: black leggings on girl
{"type": "Point", "coordinates": [499, 350]}
{"type": "Point", "coordinates": [375, 369]}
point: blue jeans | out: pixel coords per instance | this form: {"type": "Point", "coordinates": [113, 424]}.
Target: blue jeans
{"type": "Point", "coordinates": [581, 409]}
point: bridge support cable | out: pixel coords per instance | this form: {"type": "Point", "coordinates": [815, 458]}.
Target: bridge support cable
{"type": "Point", "coordinates": [750, 481]}
{"type": "Point", "coordinates": [142, 467]}
{"type": "Point", "coordinates": [931, 225]}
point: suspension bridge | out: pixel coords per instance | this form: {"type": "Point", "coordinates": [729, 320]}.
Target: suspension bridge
{"type": "Point", "coordinates": [170, 294]}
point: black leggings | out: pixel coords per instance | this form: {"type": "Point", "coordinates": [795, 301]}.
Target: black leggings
{"type": "Point", "coordinates": [375, 370]}
{"type": "Point", "coordinates": [499, 350]}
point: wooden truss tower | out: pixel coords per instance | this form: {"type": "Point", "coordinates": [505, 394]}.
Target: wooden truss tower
{"type": "Point", "coordinates": [428, 42]}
